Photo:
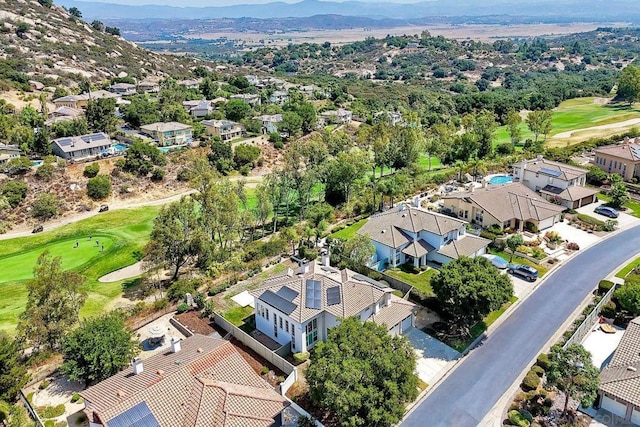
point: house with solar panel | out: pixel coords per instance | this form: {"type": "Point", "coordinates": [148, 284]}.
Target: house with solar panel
{"type": "Point", "coordinates": [416, 236]}
{"type": "Point", "coordinates": [557, 182]}
{"type": "Point", "coordinates": [83, 147]}
{"type": "Point", "coordinates": [198, 381]}
{"type": "Point", "coordinates": [298, 307]}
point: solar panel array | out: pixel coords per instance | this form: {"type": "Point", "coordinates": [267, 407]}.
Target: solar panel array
{"type": "Point", "coordinates": [551, 172]}
{"type": "Point", "coordinates": [287, 293]}
{"type": "Point", "coordinates": [314, 294]}
{"type": "Point", "coordinates": [139, 416]}
{"type": "Point", "coordinates": [329, 269]}
{"type": "Point", "coordinates": [364, 278]}
{"type": "Point", "coordinates": [64, 142]}
{"type": "Point", "coordinates": [636, 151]}
{"type": "Point", "coordinates": [333, 295]}
{"type": "Point", "coordinates": [277, 302]}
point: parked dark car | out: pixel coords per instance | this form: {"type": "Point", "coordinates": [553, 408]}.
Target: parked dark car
{"type": "Point", "coordinates": [607, 211]}
{"type": "Point", "coordinates": [103, 208]}
{"type": "Point", "coordinates": [38, 229]}
{"type": "Point", "coordinates": [524, 271]}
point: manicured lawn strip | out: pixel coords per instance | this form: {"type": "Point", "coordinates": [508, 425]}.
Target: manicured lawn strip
{"type": "Point", "coordinates": [518, 260]}
{"type": "Point", "coordinates": [125, 233]}
{"type": "Point", "coordinates": [236, 315]}
{"type": "Point", "coordinates": [480, 327]}
{"type": "Point", "coordinates": [349, 232]}
{"type": "Point", "coordinates": [633, 206]}
{"type": "Point", "coordinates": [420, 281]}
{"type": "Point", "coordinates": [627, 268]}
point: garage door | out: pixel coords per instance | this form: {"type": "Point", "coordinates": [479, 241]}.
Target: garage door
{"type": "Point", "coordinates": [614, 407]}
{"type": "Point", "coordinates": [635, 417]}
{"type": "Point", "coordinates": [406, 324]}
{"type": "Point", "coordinates": [546, 223]}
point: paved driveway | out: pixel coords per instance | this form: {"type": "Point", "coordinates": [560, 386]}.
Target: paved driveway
{"type": "Point", "coordinates": [473, 388]}
{"type": "Point", "coordinates": [624, 220]}
{"type": "Point", "coordinates": [433, 355]}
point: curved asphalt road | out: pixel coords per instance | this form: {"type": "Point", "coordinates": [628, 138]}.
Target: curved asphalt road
{"type": "Point", "coordinates": [473, 388]}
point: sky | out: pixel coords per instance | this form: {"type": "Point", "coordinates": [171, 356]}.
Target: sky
{"type": "Point", "coordinates": [203, 3]}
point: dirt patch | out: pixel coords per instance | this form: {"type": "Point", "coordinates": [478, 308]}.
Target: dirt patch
{"type": "Point", "coordinates": [274, 377]}
{"type": "Point", "coordinates": [192, 321]}
{"type": "Point", "coordinates": [326, 417]}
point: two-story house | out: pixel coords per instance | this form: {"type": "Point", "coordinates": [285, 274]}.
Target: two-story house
{"type": "Point", "coordinates": [339, 116]}
{"type": "Point", "coordinates": [9, 152]}
{"type": "Point", "coordinates": [299, 307]}
{"type": "Point", "coordinates": [226, 130]}
{"type": "Point", "coordinates": [63, 114]}
{"type": "Point", "coordinates": [623, 158]}
{"type": "Point", "coordinates": [123, 89]}
{"type": "Point", "coordinates": [512, 206]}
{"type": "Point", "coordinates": [391, 117]}
{"type": "Point", "coordinates": [169, 133]}
{"type": "Point", "coordinates": [81, 101]}
{"type": "Point", "coordinates": [269, 122]}
{"type": "Point", "coordinates": [416, 236]}
{"type": "Point", "coordinates": [81, 147]}
{"type": "Point", "coordinates": [248, 98]}
{"type": "Point", "coordinates": [557, 182]}
{"type": "Point", "coordinates": [148, 87]}
{"type": "Point", "coordinates": [279, 97]}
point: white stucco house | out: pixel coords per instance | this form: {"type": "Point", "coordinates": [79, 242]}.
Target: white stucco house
{"type": "Point", "coordinates": [413, 235]}
{"type": "Point", "coordinates": [299, 307]}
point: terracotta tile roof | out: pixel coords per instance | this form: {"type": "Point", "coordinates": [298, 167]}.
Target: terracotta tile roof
{"type": "Point", "coordinates": [356, 292]}
{"type": "Point", "coordinates": [192, 389]}
{"type": "Point", "coordinates": [630, 151]}
{"type": "Point", "coordinates": [621, 377]}
{"type": "Point", "coordinates": [563, 171]}
{"type": "Point", "coordinates": [394, 313]}
{"type": "Point", "coordinates": [466, 246]}
{"type": "Point", "coordinates": [510, 201]}
{"type": "Point", "coordinates": [389, 227]}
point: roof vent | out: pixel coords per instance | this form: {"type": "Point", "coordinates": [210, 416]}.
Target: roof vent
{"type": "Point", "coordinates": [200, 350]}
{"type": "Point", "coordinates": [175, 345]}
{"type": "Point", "coordinates": [384, 231]}
{"type": "Point", "coordinates": [120, 393]}
{"type": "Point", "coordinates": [160, 372]}
{"type": "Point", "coordinates": [404, 215]}
{"type": "Point", "coordinates": [138, 367]}
{"type": "Point", "coordinates": [631, 368]}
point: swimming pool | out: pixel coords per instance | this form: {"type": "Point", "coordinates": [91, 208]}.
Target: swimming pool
{"type": "Point", "coordinates": [500, 179]}
{"type": "Point", "coordinates": [120, 147]}
{"type": "Point", "coordinates": [37, 162]}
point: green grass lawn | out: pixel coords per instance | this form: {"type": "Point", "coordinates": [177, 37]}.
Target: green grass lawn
{"type": "Point", "coordinates": [421, 281]}
{"type": "Point", "coordinates": [124, 232]}
{"type": "Point", "coordinates": [349, 232]}
{"type": "Point", "coordinates": [518, 260]}
{"type": "Point", "coordinates": [574, 114]}
{"type": "Point", "coordinates": [633, 206]}
{"type": "Point", "coordinates": [627, 268]}
{"type": "Point", "coordinates": [237, 314]}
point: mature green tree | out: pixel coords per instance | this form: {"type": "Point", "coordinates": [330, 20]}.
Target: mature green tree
{"type": "Point", "coordinates": [513, 125]}
{"type": "Point", "coordinates": [596, 176]}
{"type": "Point", "coordinates": [291, 123]}
{"type": "Point", "coordinates": [245, 154]}
{"type": "Point", "coordinates": [309, 116]}
{"type": "Point", "coordinates": [359, 250]}
{"type": "Point", "coordinates": [236, 110]}
{"type": "Point", "coordinates": [482, 125]}
{"type": "Point", "coordinates": [629, 84]}
{"type": "Point", "coordinates": [221, 156]}
{"type": "Point", "coordinates": [15, 415]}
{"type": "Point", "coordinates": [101, 115]}
{"type": "Point", "coordinates": [141, 111]}
{"type": "Point", "coordinates": [468, 289]}
{"type": "Point", "coordinates": [69, 128]}
{"type": "Point", "coordinates": [363, 374]}
{"type": "Point", "coordinates": [618, 192]}
{"type": "Point", "coordinates": [75, 12]}
{"type": "Point", "coordinates": [99, 187]}
{"type": "Point", "coordinates": [539, 122]}
{"type": "Point", "coordinates": [19, 165]}
{"type": "Point", "coordinates": [572, 372]}
{"type": "Point", "coordinates": [98, 349]}
{"type": "Point", "coordinates": [14, 192]}
{"type": "Point", "coordinates": [343, 172]}
{"type": "Point", "coordinates": [45, 206]}
{"type": "Point", "coordinates": [177, 229]}
{"type": "Point", "coordinates": [13, 372]}
{"type": "Point", "coordinates": [513, 242]}
{"type": "Point", "coordinates": [264, 207]}
{"type": "Point", "coordinates": [628, 296]}
{"type": "Point", "coordinates": [140, 158]}
{"type": "Point", "coordinates": [54, 300]}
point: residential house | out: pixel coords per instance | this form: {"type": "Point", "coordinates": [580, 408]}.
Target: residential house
{"type": "Point", "coordinates": [201, 108]}
{"type": "Point", "coordinates": [558, 182]}
{"type": "Point", "coordinates": [619, 390]}
{"type": "Point", "coordinates": [199, 381]}
{"type": "Point", "coordinates": [298, 308]}
{"type": "Point", "coordinates": [339, 116]}
{"type": "Point", "coordinates": [62, 114]}
{"type": "Point", "coordinates": [391, 117]}
{"type": "Point", "coordinates": [269, 123]}
{"type": "Point", "coordinates": [279, 97]}
{"type": "Point", "coordinates": [248, 98]}
{"type": "Point", "coordinates": [123, 89]}
{"type": "Point", "coordinates": [271, 82]}
{"type": "Point", "coordinates": [81, 147]}
{"type": "Point", "coordinates": [36, 85]}
{"type": "Point", "coordinates": [313, 91]}
{"type": "Point", "coordinates": [506, 206]}
{"type": "Point", "coordinates": [80, 102]}
{"type": "Point", "coordinates": [190, 84]}
{"type": "Point", "coordinates": [168, 134]}
{"type": "Point", "coordinates": [226, 130]}
{"type": "Point", "coordinates": [148, 87]}
{"type": "Point", "coordinates": [416, 236]}
{"type": "Point", "coordinates": [9, 152]}
{"type": "Point", "coordinates": [623, 158]}
{"type": "Point", "coordinates": [252, 79]}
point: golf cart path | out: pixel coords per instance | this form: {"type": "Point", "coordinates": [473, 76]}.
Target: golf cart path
{"type": "Point", "coordinates": [619, 125]}
{"type": "Point", "coordinates": [124, 273]}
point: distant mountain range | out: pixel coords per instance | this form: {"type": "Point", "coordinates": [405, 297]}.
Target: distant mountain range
{"type": "Point", "coordinates": [570, 10]}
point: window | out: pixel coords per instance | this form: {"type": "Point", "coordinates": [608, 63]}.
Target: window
{"type": "Point", "coordinates": [281, 323]}
{"type": "Point", "coordinates": [312, 332]}
{"type": "Point", "coordinates": [267, 311]}
{"type": "Point", "coordinates": [286, 326]}
{"type": "Point", "coordinates": [275, 326]}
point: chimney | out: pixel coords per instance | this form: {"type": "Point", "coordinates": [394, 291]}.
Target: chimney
{"type": "Point", "coordinates": [175, 345]}
{"type": "Point", "coordinates": [416, 201]}
{"type": "Point", "coordinates": [626, 140]}
{"type": "Point", "coordinates": [472, 188]}
{"type": "Point", "coordinates": [326, 259]}
{"type": "Point", "coordinates": [484, 183]}
{"type": "Point", "coordinates": [138, 368]}
{"type": "Point", "coordinates": [539, 157]}
{"type": "Point", "coordinates": [401, 207]}
{"type": "Point", "coordinates": [636, 140]}
{"type": "Point", "coordinates": [304, 268]}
